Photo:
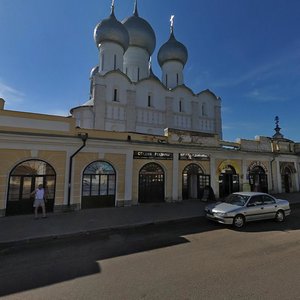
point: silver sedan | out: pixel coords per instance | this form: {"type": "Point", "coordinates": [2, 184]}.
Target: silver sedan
{"type": "Point", "coordinates": [242, 207]}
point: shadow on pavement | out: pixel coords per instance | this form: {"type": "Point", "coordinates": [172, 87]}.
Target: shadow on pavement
{"type": "Point", "coordinates": [38, 265]}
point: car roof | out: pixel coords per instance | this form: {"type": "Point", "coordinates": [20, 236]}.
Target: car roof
{"type": "Point", "coordinates": [250, 193]}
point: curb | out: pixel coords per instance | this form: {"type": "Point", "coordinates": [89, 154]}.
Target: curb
{"type": "Point", "coordinates": [6, 246]}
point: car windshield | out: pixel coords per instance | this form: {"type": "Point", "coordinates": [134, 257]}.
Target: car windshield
{"type": "Point", "coordinates": [237, 199]}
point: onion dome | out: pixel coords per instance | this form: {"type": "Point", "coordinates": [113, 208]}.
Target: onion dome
{"type": "Point", "coordinates": [94, 71]}
{"type": "Point", "coordinates": [111, 30]}
{"type": "Point", "coordinates": [172, 50]}
{"type": "Point", "coordinates": [140, 32]}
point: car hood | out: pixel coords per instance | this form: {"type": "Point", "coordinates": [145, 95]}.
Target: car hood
{"type": "Point", "coordinates": [222, 207]}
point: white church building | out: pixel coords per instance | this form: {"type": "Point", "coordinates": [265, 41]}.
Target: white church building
{"type": "Point", "coordinates": [125, 94]}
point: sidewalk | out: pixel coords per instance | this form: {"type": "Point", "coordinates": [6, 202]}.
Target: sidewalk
{"type": "Point", "coordinates": [16, 230]}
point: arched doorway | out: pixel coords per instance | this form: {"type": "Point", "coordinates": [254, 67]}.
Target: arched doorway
{"type": "Point", "coordinates": [286, 179]}
{"type": "Point", "coordinates": [194, 182]}
{"type": "Point", "coordinates": [258, 180]}
{"type": "Point", "coordinates": [151, 183]}
{"type": "Point", "coordinates": [228, 181]}
{"type": "Point", "coordinates": [23, 180]}
{"type": "Point", "coordinates": [98, 185]}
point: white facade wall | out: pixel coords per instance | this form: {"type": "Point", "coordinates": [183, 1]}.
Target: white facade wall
{"type": "Point", "coordinates": [136, 63]}
{"type": "Point", "coordinates": [150, 108]}
{"type": "Point", "coordinates": [172, 74]}
{"type": "Point", "coordinates": [110, 57]}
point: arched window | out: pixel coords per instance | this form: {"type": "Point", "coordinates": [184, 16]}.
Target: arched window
{"type": "Point", "coordinates": [23, 180]}
{"type": "Point", "coordinates": [181, 105]}
{"type": "Point", "coordinates": [98, 185]}
{"type": "Point", "coordinates": [204, 110]}
{"type": "Point", "coordinates": [149, 100]}
{"type": "Point", "coordinates": [115, 62]}
{"type": "Point", "coordinates": [115, 95]}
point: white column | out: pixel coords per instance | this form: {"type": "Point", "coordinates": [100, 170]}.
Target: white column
{"type": "Point", "coordinates": [297, 177]}
{"type": "Point", "coordinates": [213, 181]}
{"type": "Point", "coordinates": [66, 188]}
{"type": "Point", "coordinates": [279, 183]}
{"type": "Point", "coordinates": [245, 181]}
{"type": "Point", "coordinates": [175, 177]}
{"type": "Point", "coordinates": [128, 178]}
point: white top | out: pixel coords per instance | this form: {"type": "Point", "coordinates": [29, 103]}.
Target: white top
{"type": "Point", "coordinates": [39, 194]}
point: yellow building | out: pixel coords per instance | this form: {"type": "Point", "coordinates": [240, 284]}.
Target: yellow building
{"type": "Point", "coordinates": [84, 168]}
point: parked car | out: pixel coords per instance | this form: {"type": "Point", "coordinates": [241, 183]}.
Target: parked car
{"type": "Point", "coordinates": [239, 208]}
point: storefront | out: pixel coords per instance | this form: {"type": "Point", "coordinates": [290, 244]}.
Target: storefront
{"type": "Point", "coordinates": [258, 178]}
{"type": "Point", "coordinates": [23, 180]}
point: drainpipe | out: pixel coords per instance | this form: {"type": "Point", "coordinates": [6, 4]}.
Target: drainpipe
{"type": "Point", "coordinates": [84, 137]}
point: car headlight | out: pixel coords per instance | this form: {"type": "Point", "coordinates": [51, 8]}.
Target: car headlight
{"type": "Point", "coordinates": [220, 214]}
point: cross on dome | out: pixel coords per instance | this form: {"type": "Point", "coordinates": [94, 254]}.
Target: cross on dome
{"type": "Point", "coordinates": [172, 22]}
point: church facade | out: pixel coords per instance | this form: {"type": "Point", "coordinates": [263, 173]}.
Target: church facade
{"type": "Point", "coordinates": [137, 139]}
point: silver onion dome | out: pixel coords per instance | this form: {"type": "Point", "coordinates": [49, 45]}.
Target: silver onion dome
{"type": "Point", "coordinates": [111, 30]}
{"type": "Point", "coordinates": [140, 32]}
{"type": "Point", "coordinates": [172, 50]}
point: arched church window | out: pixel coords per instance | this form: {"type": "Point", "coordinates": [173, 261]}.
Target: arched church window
{"type": "Point", "coordinates": [115, 62]}
{"type": "Point", "coordinates": [181, 106]}
{"type": "Point", "coordinates": [102, 62]}
{"type": "Point", "coordinates": [149, 101]}
{"type": "Point", "coordinates": [115, 96]}
{"type": "Point", "coordinates": [204, 110]}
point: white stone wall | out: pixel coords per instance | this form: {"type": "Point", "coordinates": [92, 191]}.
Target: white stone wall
{"type": "Point", "coordinates": [172, 74]}
{"type": "Point", "coordinates": [148, 107]}
{"type": "Point", "coordinates": [110, 57]}
{"type": "Point", "coordinates": [136, 63]}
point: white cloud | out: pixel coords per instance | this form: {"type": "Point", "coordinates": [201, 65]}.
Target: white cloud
{"type": "Point", "coordinates": [10, 94]}
{"type": "Point", "coordinates": [264, 96]}
{"type": "Point", "coordinates": [284, 64]}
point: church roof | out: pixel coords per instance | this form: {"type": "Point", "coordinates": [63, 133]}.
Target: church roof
{"type": "Point", "coordinates": [140, 32]}
{"type": "Point", "coordinates": [111, 30]}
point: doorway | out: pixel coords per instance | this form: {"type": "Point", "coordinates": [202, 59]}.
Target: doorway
{"type": "Point", "coordinates": [258, 180]}
{"type": "Point", "coordinates": [228, 181]}
{"type": "Point", "coordinates": [151, 184]}
{"type": "Point", "coordinates": [194, 182]}
{"type": "Point", "coordinates": [23, 180]}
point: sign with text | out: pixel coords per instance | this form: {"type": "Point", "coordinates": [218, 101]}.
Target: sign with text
{"type": "Point", "coordinates": [193, 156]}
{"type": "Point", "coordinates": [152, 155]}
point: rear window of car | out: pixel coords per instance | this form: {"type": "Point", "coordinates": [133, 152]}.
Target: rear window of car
{"type": "Point", "coordinates": [237, 199]}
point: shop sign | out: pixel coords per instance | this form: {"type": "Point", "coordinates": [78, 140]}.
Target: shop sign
{"type": "Point", "coordinates": [152, 155]}
{"type": "Point", "coordinates": [193, 156]}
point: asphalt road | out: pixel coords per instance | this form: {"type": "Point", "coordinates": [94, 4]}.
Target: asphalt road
{"type": "Point", "coordinates": [190, 260]}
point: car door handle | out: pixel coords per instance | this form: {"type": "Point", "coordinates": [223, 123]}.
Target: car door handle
{"type": "Point", "coordinates": [261, 208]}
{"type": "Point", "coordinates": [275, 205]}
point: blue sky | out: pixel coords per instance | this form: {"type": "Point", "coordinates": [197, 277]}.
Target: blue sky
{"type": "Point", "coordinates": [246, 52]}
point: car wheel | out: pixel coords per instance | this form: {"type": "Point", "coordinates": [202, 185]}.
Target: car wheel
{"type": "Point", "coordinates": [239, 221]}
{"type": "Point", "coordinates": [280, 216]}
